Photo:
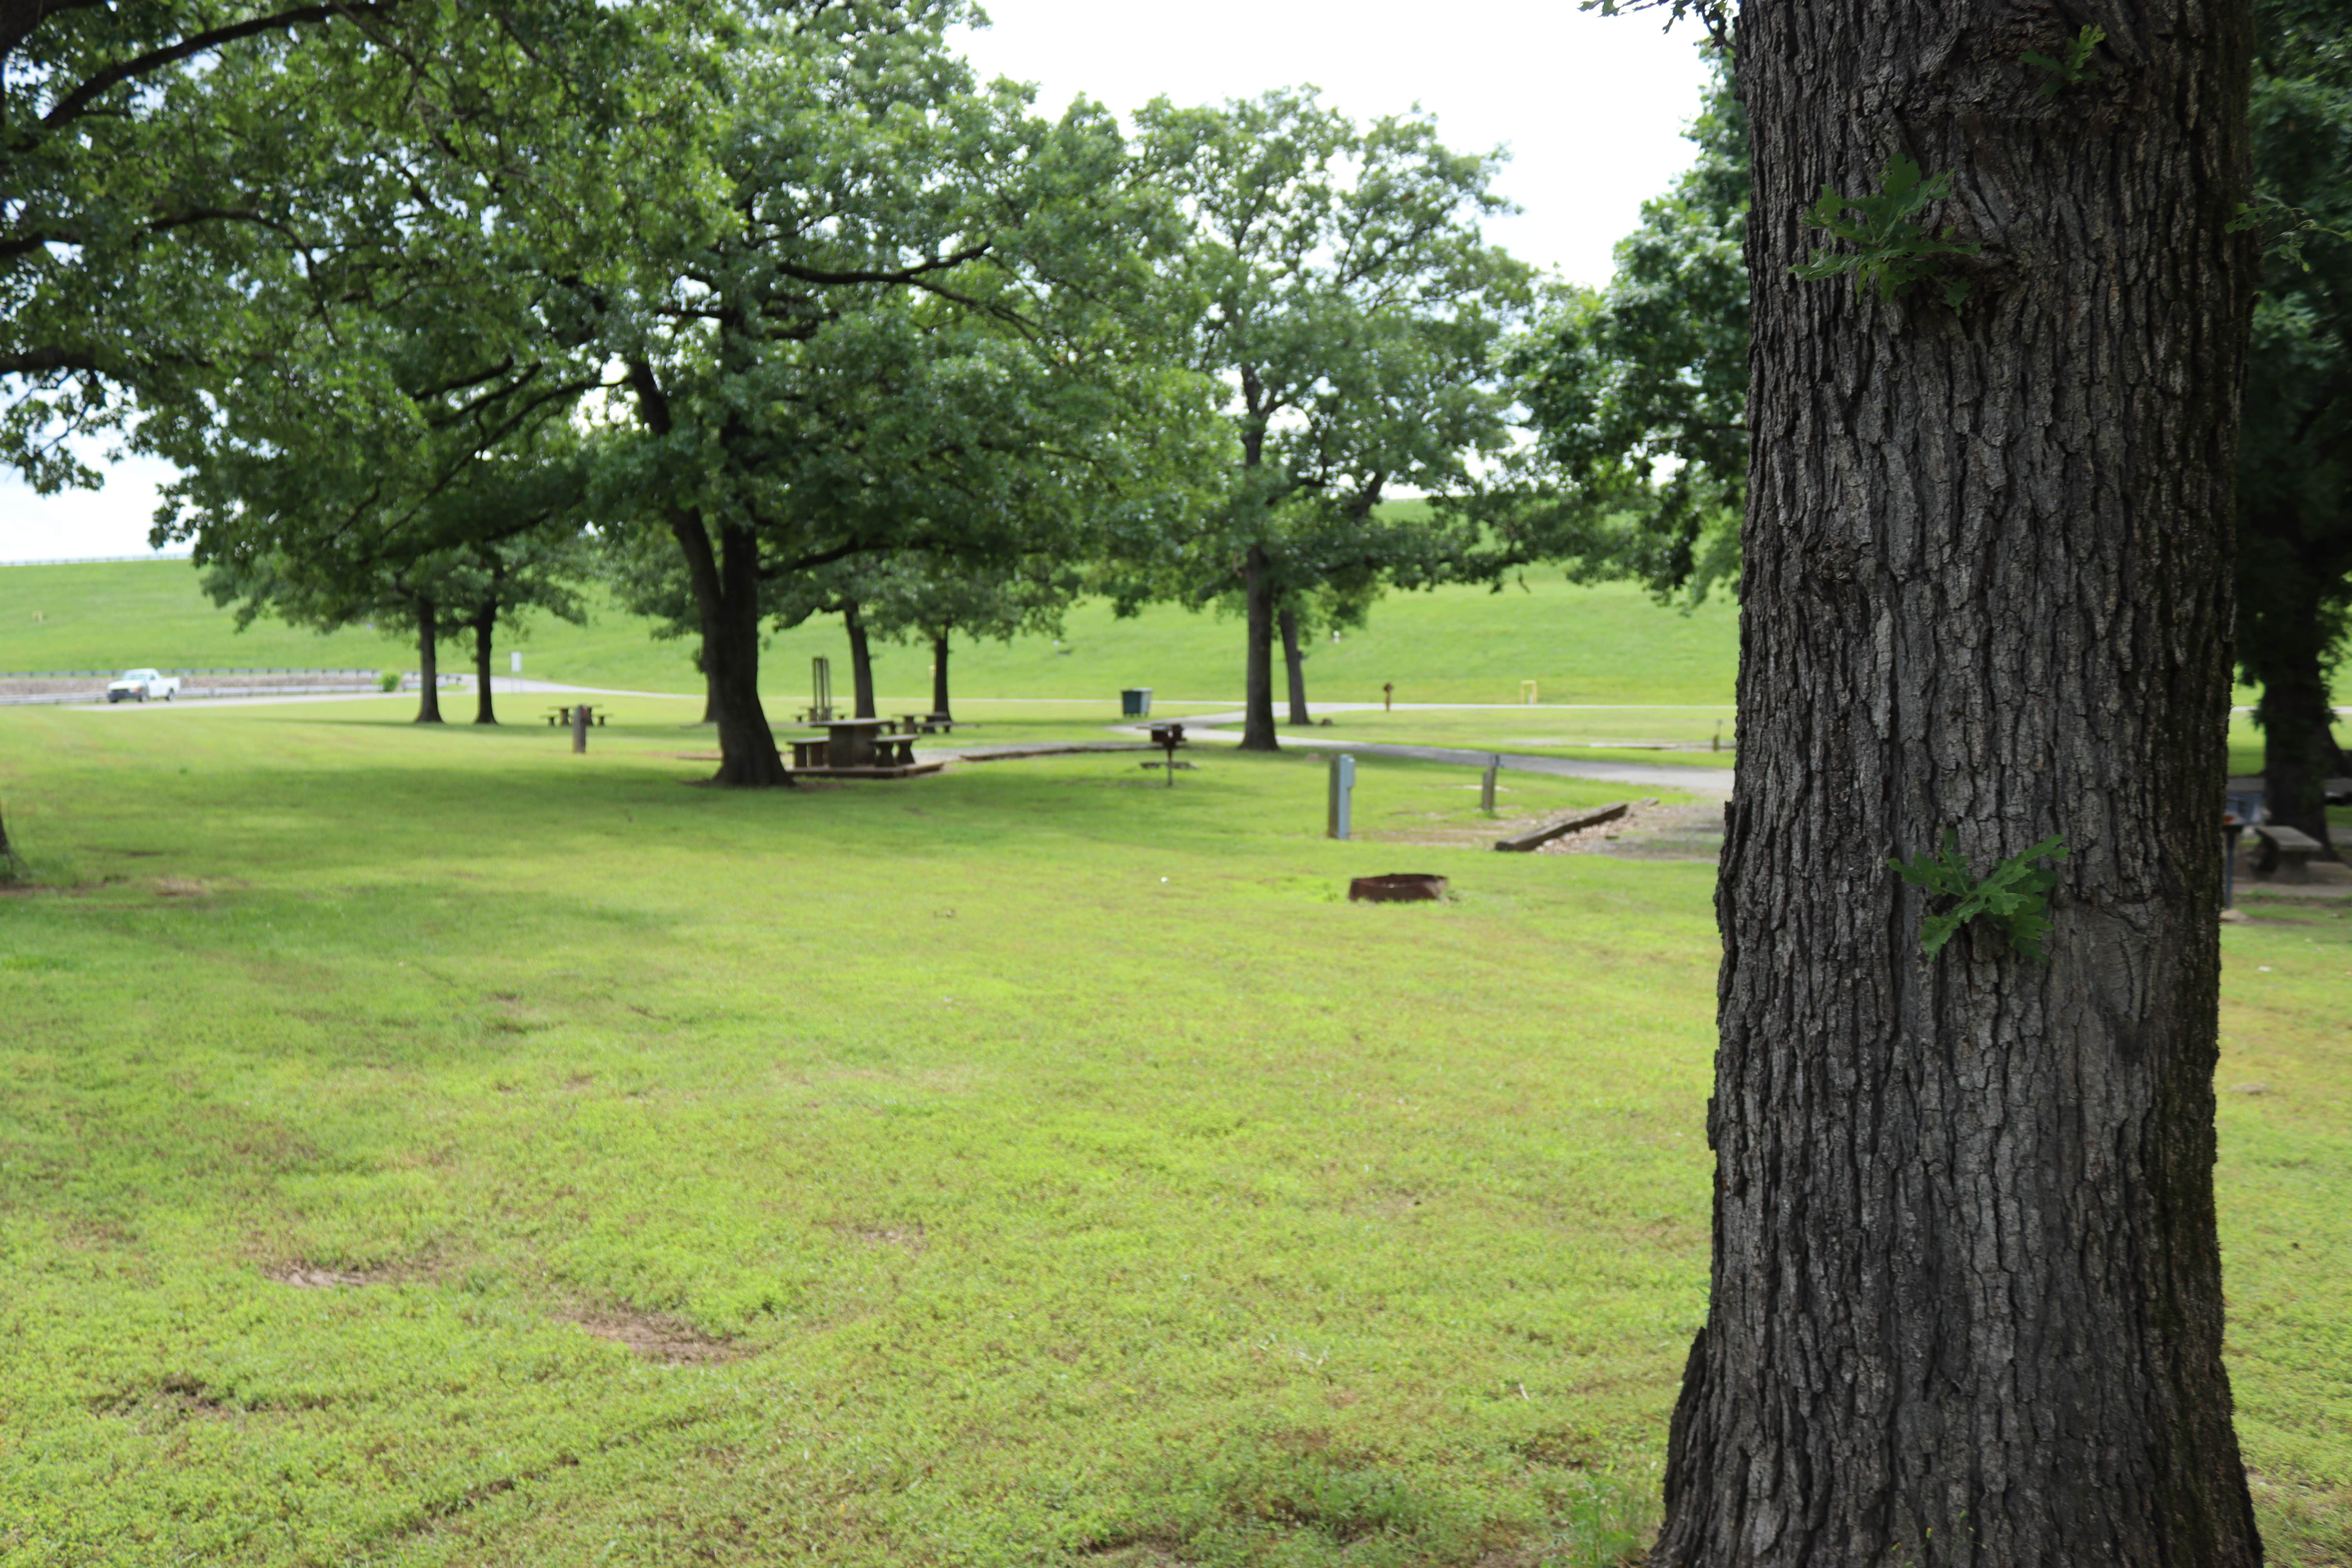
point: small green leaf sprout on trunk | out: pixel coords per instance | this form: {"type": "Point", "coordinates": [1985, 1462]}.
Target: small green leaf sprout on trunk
{"type": "Point", "coordinates": [2072, 71]}
{"type": "Point", "coordinates": [1892, 248]}
{"type": "Point", "coordinates": [2014, 893]}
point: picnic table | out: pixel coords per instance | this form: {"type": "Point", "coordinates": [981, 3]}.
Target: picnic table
{"type": "Point", "coordinates": [925, 723]}
{"type": "Point", "coordinates": [855, 748]}
{"type": "Point", "coordinates": [557, 717]}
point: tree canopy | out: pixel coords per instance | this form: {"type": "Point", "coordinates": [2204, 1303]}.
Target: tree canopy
{"type": "Point", "coordinates": [1637, 393]}
{"type": "Point", "coordinates": [1343, 297]}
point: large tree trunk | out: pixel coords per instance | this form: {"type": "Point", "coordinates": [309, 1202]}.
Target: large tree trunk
{"type": "Point", "coordinates": [724, 571]}
{"type": "Point", "coordinates": [2299, 750]}
{"type": "Point", "coordinates": [940, 673]}
{"type": "Point", "coordinates": [861, 661]}
{"type": "Point", "coordinates": [486, 623]}
{"type": "Point", "coordinates": [1257, 695]}
{"type": "Point", "coordinates": [1967, 1293]}
{"type": "Point", "coordinates": [428, 662]}
{"type": "Point", "coordinates": [1294, 659]}
{"type": "Point", "coordinates": [726, 589]}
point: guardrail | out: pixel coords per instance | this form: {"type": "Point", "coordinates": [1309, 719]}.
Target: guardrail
{"type": "Point", "coordinates": [197, 694]}
{"type": "Point", "coordinates": [209, 669]}
{"type": "Point", "coordinates": [95, 560]}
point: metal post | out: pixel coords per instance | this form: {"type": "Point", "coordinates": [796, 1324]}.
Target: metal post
{"type": "Point", "coordinates": [579, 727]}
{"type": "Point", "coordinates": [1487, 784]}
{"type": "Point", "coordinates": [1343, 784]}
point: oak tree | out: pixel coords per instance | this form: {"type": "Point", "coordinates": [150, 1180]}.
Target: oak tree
{"type": "Point", "coordinates": [1351, 310]}
{"type": "Point", "coordinates": [1966, 1300]}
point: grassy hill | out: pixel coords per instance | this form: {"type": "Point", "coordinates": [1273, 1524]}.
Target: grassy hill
{"type": "Point", "coordinates": [1457, 644]}
{"type": "Point", "coordinates": [1600, 645]}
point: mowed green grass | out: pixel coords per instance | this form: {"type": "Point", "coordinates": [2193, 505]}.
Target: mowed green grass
{"type": "Point", "coordinates": [1053, 1160]}
{"type": "Point", "coordinates": [1031, 1164]}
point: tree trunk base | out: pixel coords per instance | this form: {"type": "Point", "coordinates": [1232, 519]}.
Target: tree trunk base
{"type": "Point", "coordinates": [745, 772]}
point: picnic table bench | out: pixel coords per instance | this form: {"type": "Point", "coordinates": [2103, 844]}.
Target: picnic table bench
{"type": "Point", "coordinates": [2287, 854]}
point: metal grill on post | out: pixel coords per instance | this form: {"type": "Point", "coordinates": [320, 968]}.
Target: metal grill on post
{"type": "Point", "coordinates": [1167, 737]}
{"type": "Point", "coordinates": [1486, 783]}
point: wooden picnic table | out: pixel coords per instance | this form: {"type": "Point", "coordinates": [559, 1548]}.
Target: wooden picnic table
{"type": "Point", "coordinates": [924, 723]}
{"type": "Point", "coordinates": [560, 716]}
{"type": "Point", "coordinates": [856, 743]}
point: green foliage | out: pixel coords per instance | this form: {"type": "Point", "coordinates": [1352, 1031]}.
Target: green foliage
{"type": "Point", "coordinates": [1649, 374]}
{"type": "Point", "coordinates": [2284, 227]}
{"type": "Point", "coordinates": [164, 164]}
{"type": "Point", "coordinates": [2014, 894]}
{"type": "Point", "coordinates": [2071, 71]}
{"type": "Point", "coordinates": [1893, 250]}
{"type": "Point", "coordinates": [1339, 296]}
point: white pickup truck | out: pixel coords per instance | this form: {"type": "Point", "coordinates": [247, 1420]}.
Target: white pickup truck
{"type": "Point", "coordinates": [142, 684]}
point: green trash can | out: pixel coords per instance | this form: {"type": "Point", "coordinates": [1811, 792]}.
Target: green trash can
{"type": "Point", "coordinates": [1135, 702]}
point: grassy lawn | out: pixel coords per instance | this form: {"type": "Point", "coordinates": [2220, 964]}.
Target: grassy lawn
{"type": "Point", "coordinates": [433, 1148]}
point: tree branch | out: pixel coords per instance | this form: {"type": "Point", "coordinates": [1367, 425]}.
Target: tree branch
{"type": "Point", "coordinates": [77, 102]}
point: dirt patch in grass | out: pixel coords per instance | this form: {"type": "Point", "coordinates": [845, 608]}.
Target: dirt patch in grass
{"type": "Point", "coordinates": [907, 1238]}
{"type": "Point", "coordinates": [1650, 831]}
{"type": "Point", "coordinates": [657, 1337]}
{"type": "Point", "coordinates": [309, 1276]}
{"type": "Point", "coordinates": [180, 888]}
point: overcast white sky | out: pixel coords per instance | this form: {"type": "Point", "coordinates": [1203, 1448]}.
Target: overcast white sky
{"type": "Point", "coordinates": [1591, 110]}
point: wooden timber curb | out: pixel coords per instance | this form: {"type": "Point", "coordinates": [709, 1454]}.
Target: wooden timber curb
{"type": "Point", "coordinates": [1526, 842]}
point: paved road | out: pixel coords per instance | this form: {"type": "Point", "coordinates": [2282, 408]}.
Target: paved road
{"type": "Point", "coordinates": [500, 686]}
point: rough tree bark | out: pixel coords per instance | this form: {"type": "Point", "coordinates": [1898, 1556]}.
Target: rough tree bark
{"type": "Point", "coordinates": [428, 662]}
{"type": "Point", "coordinates": [940, 673]}
{"type": "Point", "coordinates": [1294, 659]}
{"type": "Point", "coordinates": [861, 661]}
{"type": "Point", "coordinates": [1966, 1297]}
{"type": "Point", "coordinates": [1257, 692]}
